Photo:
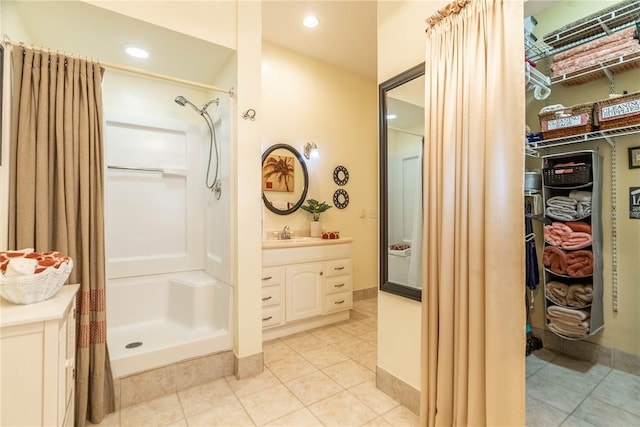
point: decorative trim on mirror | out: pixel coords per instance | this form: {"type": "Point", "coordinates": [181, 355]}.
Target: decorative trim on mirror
{"type": "Point", "coordinates": [385, 284]}
{"type": "Point", "coordinates": [291, 208]}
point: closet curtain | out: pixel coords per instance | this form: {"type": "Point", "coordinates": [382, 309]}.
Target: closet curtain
{"type": "Point", "coordinates": [56, 197]}
{"type": "Point", "coordinates": [473, 342]}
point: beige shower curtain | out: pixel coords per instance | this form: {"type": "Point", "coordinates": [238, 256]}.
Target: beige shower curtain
{"type": "Point", "coordinates": [56, 197]}
{"type": "Point", "coordinates": [473, 342]}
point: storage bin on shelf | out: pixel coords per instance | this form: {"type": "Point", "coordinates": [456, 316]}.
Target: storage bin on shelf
{"type": "Point", "coordinates": [574, 175]}
{"type": "Point", "coordinates": [618, 112]}
{"type": "Point", "coordinates": [567, 121]}
{"type": "Point", "coordinates": [50, 271]}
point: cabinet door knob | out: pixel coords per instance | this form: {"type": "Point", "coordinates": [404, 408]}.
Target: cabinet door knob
{"type": "Point", "coordinates": [264, 319]}
{"type": "Point", "coordinates": [267, 278]}
{"type": "Point", "coordinates": [339, 302]}
{"type": "Point", "coordinates": [267, 298]}
{"type": "Point", "coordinates": [321, 273]}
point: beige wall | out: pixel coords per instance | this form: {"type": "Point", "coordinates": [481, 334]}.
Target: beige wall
{"type": "Point", "coordinates": [401, 45]}
{"type": "Point", "coordinates": [306, 100]}
{"type": "Point", "coordinates": [622, 328]}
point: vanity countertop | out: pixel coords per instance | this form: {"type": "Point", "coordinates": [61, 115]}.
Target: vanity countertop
{"type": "Point", "coordinates": [303, 241]}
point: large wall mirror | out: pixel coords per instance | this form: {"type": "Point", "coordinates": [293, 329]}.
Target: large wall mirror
{"type": "Point", "coordinates": [401, 146]}
{"type": "Point", "coordinates": [285, 179]}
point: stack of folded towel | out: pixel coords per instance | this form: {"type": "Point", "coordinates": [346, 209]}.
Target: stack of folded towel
{"type": "Point", "coordinates": [576, 295]}
{"type": "Point", "coordinates": [573, 264]}
{"type": "Point", "coordinates": [568, 235]}
{"type": "Point", "coordinates": [568, 322]}
{"type": "Point", "coordinates": [568, 208]}
{"type": "Point", "coordinates": [595, 52]}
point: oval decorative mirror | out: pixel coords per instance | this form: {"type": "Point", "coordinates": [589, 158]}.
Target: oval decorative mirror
{"type": "Point", "coordinates": [401, 142]}
{"type": "Point", "coordinates": [285, 179]}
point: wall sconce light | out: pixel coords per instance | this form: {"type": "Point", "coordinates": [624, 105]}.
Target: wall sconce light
{"type": "Point", "coordinates": [311, 150]}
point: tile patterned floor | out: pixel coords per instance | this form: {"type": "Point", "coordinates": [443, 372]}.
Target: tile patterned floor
{"type": "Point", "coordinates": [562, 391]}
{"type": "Point", "coordinates": [326, 377]}
{"type": "Point", "coordinates": [322, 377]}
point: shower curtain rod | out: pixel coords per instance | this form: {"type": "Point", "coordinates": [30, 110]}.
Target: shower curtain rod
{"type": "Point", "coordinates": [229, 91]}
{"type": "Point", "coordinates": [405, 131]}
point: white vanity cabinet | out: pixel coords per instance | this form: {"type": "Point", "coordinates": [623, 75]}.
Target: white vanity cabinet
{"type": "Point", "coordinates": [272, 296]}
{"type": "Point", "coordinates": [305, 285]}
{"type": "Point", "coordinates": [37, 357]}
{"type": "Point", "coordinates": [304, 290]}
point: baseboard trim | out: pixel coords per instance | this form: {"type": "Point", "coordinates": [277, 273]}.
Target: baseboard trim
{"type": "Point", "coordinates": [365, 293]}
{"type": "Point", "coordinates": [399, 390]}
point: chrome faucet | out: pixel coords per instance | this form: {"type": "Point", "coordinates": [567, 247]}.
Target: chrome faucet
{"type": "Point", "coordinates": [285, 234]}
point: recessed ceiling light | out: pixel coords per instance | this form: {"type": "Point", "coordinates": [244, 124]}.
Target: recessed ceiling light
{"type": "Point", "coordinates": [310, 21]}
{"type": "Point", "coordinates": [135, 51]}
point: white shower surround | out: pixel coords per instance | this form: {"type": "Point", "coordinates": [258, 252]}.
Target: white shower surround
{"type": "Point", "coordinates": [168, 275]}
{"type": "Point", "coordinates": [174, 316]}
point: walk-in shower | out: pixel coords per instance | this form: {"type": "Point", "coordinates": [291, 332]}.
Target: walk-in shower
{"type": "Point", "coordinates": [214, 186]}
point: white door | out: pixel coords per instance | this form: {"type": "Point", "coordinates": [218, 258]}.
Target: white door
{"type": "Point", "coordinates": [304, 291]}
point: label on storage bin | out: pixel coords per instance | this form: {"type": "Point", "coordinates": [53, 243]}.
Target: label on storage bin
{"type": "Point", "coordinates": [623, 109]}
{"type": "Point", "coordinates": [565, 122]}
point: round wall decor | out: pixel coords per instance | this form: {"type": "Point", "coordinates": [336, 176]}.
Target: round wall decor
{"type": "Point", "coordinates": [340, 175]}
{"type": "Point", "coordinates": [340, 199]}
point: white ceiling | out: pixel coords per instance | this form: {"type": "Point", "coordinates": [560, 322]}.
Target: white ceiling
{"type": "Point", "coordinates": [346, 36]}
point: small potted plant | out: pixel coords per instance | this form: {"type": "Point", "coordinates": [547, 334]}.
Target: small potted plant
{"type": "Point", "coordinates": [315, 208]}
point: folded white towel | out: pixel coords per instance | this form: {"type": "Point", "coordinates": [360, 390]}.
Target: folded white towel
{"type": "Point", "coordinates": [562, 201]}
{"type": "Point", "coordinates": [580, 195]}
{"type": "Point", "coordinates": [21, 267]}
{"type": "Point", "coordinates": [560, 214]}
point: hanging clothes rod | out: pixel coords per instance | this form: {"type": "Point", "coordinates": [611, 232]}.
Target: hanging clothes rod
{"type": "Point", "coordinates": [230, 91]}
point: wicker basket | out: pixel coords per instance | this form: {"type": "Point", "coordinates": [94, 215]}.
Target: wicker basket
{"type": "Point", "coordinates": [567, 175]}
{"type": "Point", "coordinates": [30, 289]}
{"type": "Point", "coordinates": [569, 121]}
{"type": "Point", "coordinates": [619, 112]}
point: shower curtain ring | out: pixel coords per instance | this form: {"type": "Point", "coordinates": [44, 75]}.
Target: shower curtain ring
{"type": "Point", "coordinates": [249, 114]}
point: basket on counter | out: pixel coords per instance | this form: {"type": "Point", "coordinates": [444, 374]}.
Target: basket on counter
{"type": "Point", "coordinates": [567, 175]}
{"type": "Point", "coordinates": [618, 112]}
{"type": "Point", "coordinates": [52, 271]}
{"type": "Point", "coordinates": [567, 121]}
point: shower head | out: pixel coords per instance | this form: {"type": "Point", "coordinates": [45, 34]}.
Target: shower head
{"type": "Point", "coordinates": [181, 100]}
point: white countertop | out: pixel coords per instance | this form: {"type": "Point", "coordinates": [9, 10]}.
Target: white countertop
{"type": "Point", "coordinates": [17, 314]}
{"type": "Point", "coordinates": [303, 241]}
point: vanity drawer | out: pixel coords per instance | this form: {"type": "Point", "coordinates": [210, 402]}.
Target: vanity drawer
{"type": "Point", "coordinates": [338, 301]}
{"type": "Point", "coordinates": [271, 295]}
{"type": "Point", "coordinates": [272, 276]}
{"type": "Point", "coordinates": [336, 284]}
{"type": "Point", "coordinates": [338, 267]}
{"type": "Point", "coordinates": [271, 316]}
